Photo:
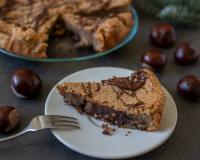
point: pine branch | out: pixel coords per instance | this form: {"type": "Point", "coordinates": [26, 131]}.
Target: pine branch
{"type": "Point", "coordinates": [151, 6]}
{"type": "Point", "coordinates": [185, 12]}
{"type": "Point", "coordinates": [179, 14]}
{"type": "Point", "coordinates": [194, 5]}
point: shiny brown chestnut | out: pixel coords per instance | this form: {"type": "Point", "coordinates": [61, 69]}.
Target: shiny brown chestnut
{"type": "Point", "coordinates": [154, 60]}
{"type": "Point", "coordinates": [189, 87]}
{"type": "Point", "coordinates": [163, 35]}
{"type": "Point", "coordinates": [9, 118]}
{"type": "Point", "coordinates": [25, 83]}
{"type": "Point", "coordinates": [185, 54]}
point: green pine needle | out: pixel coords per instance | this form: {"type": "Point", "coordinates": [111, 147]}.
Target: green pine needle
{"type": "Point", "coordinates": [151, 6]}
{"type": "Point", "coordinates": [185, 12]}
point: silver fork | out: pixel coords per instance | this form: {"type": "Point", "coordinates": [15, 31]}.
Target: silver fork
{"type": "Point", "coordinates": [47, 122]}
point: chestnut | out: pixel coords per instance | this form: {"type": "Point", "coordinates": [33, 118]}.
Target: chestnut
{"type": "Point", "coordinates": [25, 83]}
{"type": "Point", "coordinates": [189, 87]}
{"type": "Point", "coordinates": [185, 54]}
{"type": "Point", "coordinates": [154, 60]}
{"type": "Point", "coordinates": [9, 118]}
{"type": "Point", "coordinates": [163, 35]}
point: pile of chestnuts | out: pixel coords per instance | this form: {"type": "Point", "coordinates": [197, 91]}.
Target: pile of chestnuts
{"type": "Point", "coordinates": [164, 36]}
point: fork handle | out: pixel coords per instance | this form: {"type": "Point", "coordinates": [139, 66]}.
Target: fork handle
{"type": "Point", "coordinates": [14, 136]}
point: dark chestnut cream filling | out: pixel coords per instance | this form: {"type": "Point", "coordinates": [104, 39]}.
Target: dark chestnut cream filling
{"type": "Point", "coordinates": [106, 113]}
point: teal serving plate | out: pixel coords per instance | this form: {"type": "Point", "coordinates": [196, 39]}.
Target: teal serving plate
{"type": "Point", "coordinates": [62, 50]}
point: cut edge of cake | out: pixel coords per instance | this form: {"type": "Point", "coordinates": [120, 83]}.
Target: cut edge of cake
{"type": "Point", "coordinates": [102, 33]}
{"type": "Point", "coordinates": [141, 107]}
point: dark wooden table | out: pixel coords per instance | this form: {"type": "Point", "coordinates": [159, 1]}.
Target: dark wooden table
{"type": "Point", "coordinates": [184, 144]}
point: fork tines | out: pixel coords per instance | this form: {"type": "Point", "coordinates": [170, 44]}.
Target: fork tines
{"type": "Point", "coordinates": [63, 122]}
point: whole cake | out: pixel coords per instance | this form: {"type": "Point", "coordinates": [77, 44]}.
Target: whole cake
{"type": "Point", "coordinates": [25, 25]}
{"type": "Point", "coordinates": [136, 101]}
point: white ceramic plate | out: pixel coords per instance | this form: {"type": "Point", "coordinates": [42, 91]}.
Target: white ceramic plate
{"type": "Point", "coordinates": [90, 141]}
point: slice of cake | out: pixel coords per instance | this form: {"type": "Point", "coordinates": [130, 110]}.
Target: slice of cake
{"type": "Point", "coordinates": [100, 32]}
{"type": "Point", "coordinates": [136, 101]}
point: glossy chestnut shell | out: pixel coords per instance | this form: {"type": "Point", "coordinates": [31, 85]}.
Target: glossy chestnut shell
{"type": "Point", "coordinates": [189, 87]}
{"type": "Point", "coordinates": [185, 54]}
{"type": "Point", "coordinates": [154, 60]}
{"type": "Point", "coordinates": [25, 83]}
{"type": "Point", "coordinates": [163, 35]}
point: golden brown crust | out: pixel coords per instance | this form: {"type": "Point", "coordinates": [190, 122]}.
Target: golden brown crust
{"type": "Point", "coordinates": [112, 30]}
{"type": "Point", "coordinates": [22, 41]}
{"type": "Point", "coordinates": [155, 102]}
{"type": "Point", "coordinates": [94, 6]}
{"type": "Point", "coordinates": [147, 102]}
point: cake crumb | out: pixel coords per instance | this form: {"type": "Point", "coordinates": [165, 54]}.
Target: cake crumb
{"type": "Point", "coordinates": [129, 132]}
{"type": "Point", "coordinates": [79, 110]}
{"type": "Point", "coordinates": [107, 130]}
